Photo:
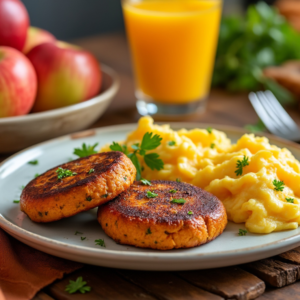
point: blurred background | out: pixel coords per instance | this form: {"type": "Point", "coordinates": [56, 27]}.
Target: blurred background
{"type": "Point", "coordinates": [69, 19]}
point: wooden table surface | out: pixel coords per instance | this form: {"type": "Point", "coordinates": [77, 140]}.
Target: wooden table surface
{"type": "Point", "coordinates": [274, 278]}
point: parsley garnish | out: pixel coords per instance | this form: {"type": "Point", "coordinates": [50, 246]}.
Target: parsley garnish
{"type": "Point", "coordinates": [151, 194]}
{"type": "Point", "coordinates": [104, 196]}
{"type": "Point", "coordinates": [78, 232]}
{"type": "Point", "coordinates": [62, 173]}
{"type": "Point", "coordinates": [91, 171]}
{"type": "Point", "coordinates": [258, 127]}
{"type": "Point", "coordinates": [88, 198]}
{"type": "Point", "coordinates": [16, 201]}
{"type": "Point", "coordinates": [145, 182]}
{"type": "Point", "coordinates": [190, 212]}
{"type": "Point", "coordinates": [86, 150]}
{"type": "Point", "coordinates": [22, 187]}
{"type": "Point", "coordinates": [178, 201]}
{"type": "Point", "coordinates": [36, 175]}
{"type": "Point", "coordinates": [209, 130]}
{"type": "Point", "coordinates": [77, 286]}
{"type": "Point", "coordinates": [240, 165]}
{"type": "Point", "coordinates": [172, 143]}
{"type": "Point", "coordinates": [290, 200]}
{"type": "Point", "coordinates": [278, 185]}
{"type": "Point", "coordinates": [148, 231]}
{"type": "Point", "coordinates": [82, 238]}
{"type": "Point", "coordinates": [33, 162]}
{"type": "Point", "coordinates": [178, 180]}
{"type": "Point", "coordinates": [100, 242]}
{"type": "Point", "coordinates": [242, 232]}
{"type": "Point", "coordinates": [125, 178]}
{"type": "Point", "coordinates": [212, 145]}
{"type": "Point", "coordinates": [152, 160]}
{"type": "Point", "coordinates": [172, 191]}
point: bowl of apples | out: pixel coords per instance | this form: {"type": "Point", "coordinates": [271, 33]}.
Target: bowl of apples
{"type": "Point", "coordinates": [48, 88]}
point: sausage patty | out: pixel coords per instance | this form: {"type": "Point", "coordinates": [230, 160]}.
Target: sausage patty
{"type": "Point", "coordinates": [134, 218]}
{"type": "Point", "coordinates": [98, 179]}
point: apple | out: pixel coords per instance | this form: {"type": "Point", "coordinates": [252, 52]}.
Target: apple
{"type": "Point", "coordinates": [66, 75]}
{"type": "Point", "coordinates": [36, 36]}
{"type": "Point", "coordinates": [18, 83]}
{"type": "Point", "coordinates": [14, 22]}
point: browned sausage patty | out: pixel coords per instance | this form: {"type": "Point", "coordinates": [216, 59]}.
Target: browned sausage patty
{"type": "Point", "coordinates": [135, 219]}
{"type": "Point", "coordinates": [98, 179]}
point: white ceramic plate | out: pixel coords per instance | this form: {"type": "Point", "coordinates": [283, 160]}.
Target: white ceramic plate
{"type": "Point", "coordinates": [59, 238]}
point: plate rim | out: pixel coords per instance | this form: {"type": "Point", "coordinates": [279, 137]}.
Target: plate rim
{"type": "Point", "coordinates": [9, 227]}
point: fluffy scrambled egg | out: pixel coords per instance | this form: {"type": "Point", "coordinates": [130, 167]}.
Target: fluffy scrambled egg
{"type": "Point", "coordinates": [208, 159]}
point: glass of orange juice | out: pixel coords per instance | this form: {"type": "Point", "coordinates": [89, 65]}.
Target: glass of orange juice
{"type": "Point", "coordinates": [173, 45]}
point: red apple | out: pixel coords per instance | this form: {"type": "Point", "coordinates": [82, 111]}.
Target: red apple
{"type": "Point", "coordinates": [14, 22]}
{"type": "Point", "coordinates": [36, 36]}
{"type": "Point", "coordinates": [18, 83]}
{"type": "Point", "coordinates": [66, 75]}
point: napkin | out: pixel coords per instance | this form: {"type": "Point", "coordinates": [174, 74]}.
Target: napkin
{"type": "Point", "coordinates": [24, 270]}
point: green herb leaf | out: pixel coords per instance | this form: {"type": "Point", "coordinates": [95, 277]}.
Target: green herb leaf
{"type": "Point", "coordinates": [172, 143]}
{"type": "Point", "coordinates": [83, 238]}
{"type": "Point", "coordinates": [278, 185]}
{"type": "Point", "coordinates": [62, 173]}
{"type": "Point", "coordinates": [36, 175]}
{"type": "Point", "coordinates": [178, 201]}
{"type": "Point", "coordinates": [242, 232]}
{"type": "Point", "coordinates": [148, 231]}
{"type": "Point", "coordinates": [258, 127]}
{"type": "Point", "coordinates": [290, 200]}
{"type": "Point", "coordinates": [33, 162]}
{"type": "Point", "coordinates": [91, 171]}
{"type": "Point", "coordinates": [104, 196]}
{"type": "Point", "coordinates": [240, 165]}
{"type": "Point", "coordinates": [209, 130]}
{"type": "Point", "coordinates": [16, 201]}
{"type": "Point", "coordinates": [172, 191]}
{"type": "Point", "coordinates": [78, 232]}
{"type": "Point", "coordinates": [178, 180]}
{"type": "Point", "coordinates": [100, 242]}
{"type": "Point", "coordinates": [77, 286]}
{"type": "Point", "coordinates": [212, 145]}
{"type": "Point", "coordinates": [145, 182]}
{"type": "Point", "coordinates": [125, 178]}
{"type": "Point", "coordinates": [151, 194]}
{"type": "Point", "coordinates": [137, 165]}
{"type": "Point", "coordinates": [22, 187]}
{"type": "Point", "coordinates": [190, 212]}
{"type": "Point", "coordinates": [86, 150]}
{"type": "Point", "coordinates": [153, 161]}
{"type": "Point", "coordinates": [150, 142]}
{"type": "Point", "coordinates": [88, 198]}
{"type": "Point", "coordinates": [116, 147]}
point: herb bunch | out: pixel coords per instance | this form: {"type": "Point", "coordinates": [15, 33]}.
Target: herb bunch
{"type": "Point", "coordinates": [152, 160]}
{"type": "Point", "coordinates": [249, 44]}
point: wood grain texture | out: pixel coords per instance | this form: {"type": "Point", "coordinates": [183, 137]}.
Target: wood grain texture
{"type": "Point", "coordinates": [274, 272]}
{"type": "Point", "coordinates": [230, 282]}
{"type": "Point", "coordinates": [292, 256]}
{"type": "Point", "coordinates": [105, 284]}
{"type": "Point", "coordinates": [167, 286]}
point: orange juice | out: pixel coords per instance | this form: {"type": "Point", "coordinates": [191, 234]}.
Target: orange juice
{"type": "Point", "coordinates": [173, 45]}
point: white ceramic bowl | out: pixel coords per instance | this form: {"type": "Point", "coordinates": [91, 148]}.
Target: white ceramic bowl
{"type": "Point", "coordinates": [17, 133]}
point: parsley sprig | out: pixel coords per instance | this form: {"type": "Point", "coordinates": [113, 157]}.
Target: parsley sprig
{"type": "Point", "coordinates": [178, 201]}
{"type": "Point", "coordinates": [242, 232]}
{"type": "Point", "coordinates": [151, 194]}
{"type": "Point", "coordinates": [86, 150]}
{"type": "Point", "coordinates": [152, 160]}
{"type": "Point", "coordinates": [240, 165]}
{"type": "Point", "coordinates": [290, 200]}
{"type": "Point", "coordinates": [62, 173]}
{"type": "Point", "coordinates": [33, 162]}
{"type": "Point", "coordinates": [278, 185]}
{"type": "Point", "coordinates": [100, 242]}
{"type": "Point", "coordinates": [145, 181]}
{"type": "Point", "coordinates": [77, 286]}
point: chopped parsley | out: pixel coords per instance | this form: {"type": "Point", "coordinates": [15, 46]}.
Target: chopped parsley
{"type": "Point", "coordinates": [148, 231]}
{"type": "Point", "coordinates": [82, 238]}
{"type": "Point", "coordinates": [86, 150]}
{"type": "Point", "coordinates": [104, 196]}
{"type": "Point", "coordinates": [242, 232]}
{"type": "Point", "coordinates": [77, 286]}
{"type": "Point", "coordinates": [33, 162]}
{"type": "Point", "coordinates": [78, 232]}
{"type": "Point", "coordinates": [190, 212]}
{"type": "Point", "coordinates": [240, 165]}
{"type": "Point", "coordinates": [22, 187]}
{"type": "Point", "coordinates": [178, 180]}
{"type": "Point", "coordinates": [62, 173]}
{"type": "Point", "coordinates": [172, 143]}
{"type": "Point", "coordinates": [151, 194]}
{"type": "Point", "coordinates": [212, 145]}
{"type": "Point", "coordinates": [178, 201]}
{"type": "Point", "coordinates": [145, 181]}
{"type": "Point", "coordinates": [172, 191]}
{"type": "Point", "coordinates": [88, 198]}
{"type": "Point", "coordinates": [125, 178]}
{"type": "Point", "coordinates": [36, 175]}
{"type": "Point", "coordinates": [209, 130]}
{"type": "Point", "coordinates": [290, 200]}
{"type": "Point", "coordinates": [100, 242]}
{"type": "Point", "coordinates": [152, 160]}
{"type": "Point", "coordinates": [16, 201]}
{"type": "Point", "coordinates": [278, 185]}
{"type": "Point", "coordinates": [91, 171]}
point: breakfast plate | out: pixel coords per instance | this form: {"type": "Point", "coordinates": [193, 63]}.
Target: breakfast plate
{"type": "Point", "coordinates": [74, 238]}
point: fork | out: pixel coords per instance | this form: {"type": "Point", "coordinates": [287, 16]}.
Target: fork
{"type": "Point", "coordinates": [273, 115]}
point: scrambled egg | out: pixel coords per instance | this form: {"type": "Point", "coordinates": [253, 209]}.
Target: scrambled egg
{"type": "Point", "coordinates": [207, 159]}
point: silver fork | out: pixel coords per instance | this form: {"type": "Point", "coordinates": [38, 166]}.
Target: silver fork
{"type": "Point", "coordinates": [273, 115]}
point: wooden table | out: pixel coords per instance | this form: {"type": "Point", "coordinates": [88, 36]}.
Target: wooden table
{"type": "Point", "coordinates": [273, 278]}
